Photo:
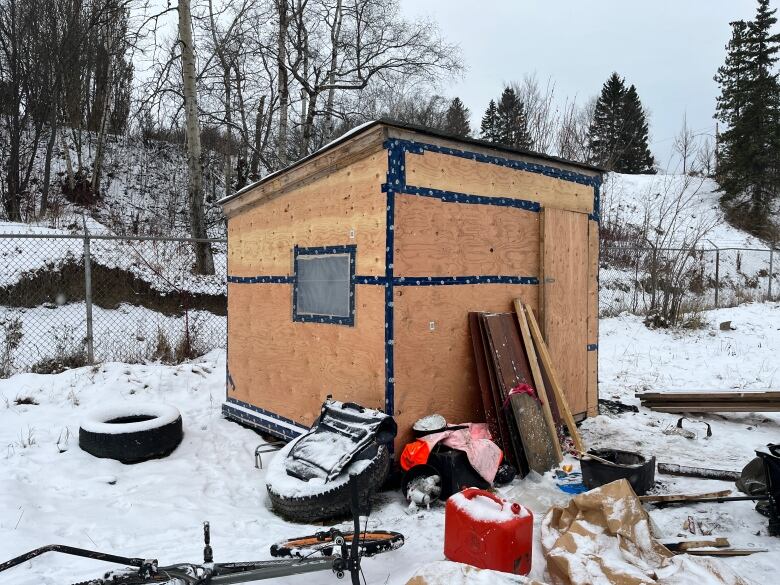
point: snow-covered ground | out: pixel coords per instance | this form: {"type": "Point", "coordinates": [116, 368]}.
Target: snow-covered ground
{"type": "Point", "coordinates": [51, 491]}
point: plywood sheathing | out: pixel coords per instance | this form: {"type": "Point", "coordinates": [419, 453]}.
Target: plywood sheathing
{"type": "Point", "coordinates": [593, 317]}
{"type": "Point", "coordinates": [289, 368]}
{"type": "Point", "coordinates": [565, 259]}
{"type": "Point", "coordinates": [307, 171]}
{"type": "Point", "coordinates": [435, 238]}
{"type": "Point", "coordinates": [434, 367]}
{"type": "Point", "coordinates": [462, 175]}
{"type": "Point", "coordinates": [345, 207]}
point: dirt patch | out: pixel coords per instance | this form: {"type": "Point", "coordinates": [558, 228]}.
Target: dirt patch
{"type": "Point", "coordinates": [111, 287]}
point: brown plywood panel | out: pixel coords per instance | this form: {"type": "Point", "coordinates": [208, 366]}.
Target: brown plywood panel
{"type": "Point", "coordinates": [435, 369]}
{"type": "Point", "coordinates": [565, 259]}
{"type": "Point", "coordinates": [434, 238]}
{"type": "Point", "coordinates": [593, 316]}
{"type": "Point", "coordinates": [289, 367]}
{"type": "Point", "coordinates": [322, 213]}
{"type": "Point", "coordinates": [462, 175]}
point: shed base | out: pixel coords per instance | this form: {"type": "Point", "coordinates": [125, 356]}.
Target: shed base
{"type": "Point", "coordinates": [262, 420]}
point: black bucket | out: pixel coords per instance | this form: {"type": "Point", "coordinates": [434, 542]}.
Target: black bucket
{"type": "Point", "coordinates": [639, 472]}
{"type": "Point", "coordinates": [770, 456]}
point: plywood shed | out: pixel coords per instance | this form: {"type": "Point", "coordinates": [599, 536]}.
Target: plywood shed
{"type": "Point", "coordinates": [352, 273]}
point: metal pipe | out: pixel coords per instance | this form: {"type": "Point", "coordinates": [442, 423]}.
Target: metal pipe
{"type": "Point", "coordinates": [78, 552]}
{"type": "Point", "coordinates": [88, 300]}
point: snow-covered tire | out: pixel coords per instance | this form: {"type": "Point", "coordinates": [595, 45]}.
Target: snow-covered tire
{"type": "Point", "coordinates": [131, 433]}
{"type": "Point", "coordinates": [328, 500]}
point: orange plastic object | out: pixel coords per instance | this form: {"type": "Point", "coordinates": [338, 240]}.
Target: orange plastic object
{"type": "Point", "coordinates": [488, 532]}
{"type": "Point", "coordinates": [415, 453]}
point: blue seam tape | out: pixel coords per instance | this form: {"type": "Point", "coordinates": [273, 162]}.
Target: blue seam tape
{"type": "Point", "coordinates": [593, 347]}
{"type": "Point", "coordinates": [422, 280]}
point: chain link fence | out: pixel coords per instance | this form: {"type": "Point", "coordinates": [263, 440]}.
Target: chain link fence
{"type": "Point", "coordinates": [643, 280]}
{"type": "Point", "coordinates": [71, 300]}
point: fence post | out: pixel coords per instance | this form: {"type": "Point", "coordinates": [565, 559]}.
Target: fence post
{"type": "Point", "coordinates": [717, 277]}
{"type": "Point", "coordinates": [771, 269]}
{"type": "Point", "coordinates": [88, 297]}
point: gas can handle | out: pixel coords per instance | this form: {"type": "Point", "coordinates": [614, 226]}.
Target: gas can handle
{"type": "Point", "coordinates": [471, 493]}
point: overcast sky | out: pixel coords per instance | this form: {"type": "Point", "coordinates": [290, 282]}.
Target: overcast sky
{"type": "Point", "coordinates": [669, 49]}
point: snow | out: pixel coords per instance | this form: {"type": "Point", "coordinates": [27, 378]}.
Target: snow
{"type": "Point", "coordinates": [51, 491]}
{"type": "Point", "coordinates": [485, 509]}
{"type": "Point", "coordinates": [97, 421]}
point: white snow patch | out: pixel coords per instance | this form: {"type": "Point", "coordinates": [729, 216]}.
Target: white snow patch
{"type": "Point", "coordinates": [97, 421]}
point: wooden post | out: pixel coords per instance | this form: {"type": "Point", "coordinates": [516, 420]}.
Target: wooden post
{"type": "Point", "coordinates": [538, 379]}
{"type": "Point", "coordinates": [552, 375]}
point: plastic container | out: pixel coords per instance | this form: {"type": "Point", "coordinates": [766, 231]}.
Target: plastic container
{"type": "Point", "coordinates": [488, 532]}
{"type": "Point", "coordinates": [455, 470]}
{"type": "Point", "coordinates": [639, 472]}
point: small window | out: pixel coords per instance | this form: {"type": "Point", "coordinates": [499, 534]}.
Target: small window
{"type": "Point", "coordinates": [324, 289]}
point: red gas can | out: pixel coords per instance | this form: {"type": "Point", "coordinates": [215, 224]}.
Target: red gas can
{"type": "Point", "coordinates": [485, 531]}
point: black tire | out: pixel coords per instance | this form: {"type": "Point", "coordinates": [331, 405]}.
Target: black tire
{"type": "Point", "coordinates": [132, 435]}
{"type": "Point", "coordinates": [331, 501]}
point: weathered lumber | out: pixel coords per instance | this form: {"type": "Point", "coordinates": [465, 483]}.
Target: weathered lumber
{"type": "Point", "coordinates": [489, 405]}
{"type": "Point", "coordinates": [670, 498]}
{"type": "Point", "coordinates": [685, 545]}
{"type": "Point", "coordinates": [512, 370]}
{"type": "Point", "coordinates": [552, 376]}
{"type": "Point", "coordinates": [701, 472]}
{"type": "Point", "coordinates": [725, 552]}
{"type": "Point", "coordinates": [537, 376]}
{"type": "Point", "coordinates": [704, 401]}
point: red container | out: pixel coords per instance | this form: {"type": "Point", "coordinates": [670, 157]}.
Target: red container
{"type": "Point", "coordinates": [485, 531]}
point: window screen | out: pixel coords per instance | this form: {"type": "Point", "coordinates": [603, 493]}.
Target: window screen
{"type": "Point", "coordinates": [324, 289]}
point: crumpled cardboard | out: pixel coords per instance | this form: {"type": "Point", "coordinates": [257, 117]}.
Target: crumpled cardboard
{"type": "Point", "coordinates": [603, 537]}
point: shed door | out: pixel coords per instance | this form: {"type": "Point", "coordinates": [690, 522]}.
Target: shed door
{"type": "Point", "coordinates": [565, 300]}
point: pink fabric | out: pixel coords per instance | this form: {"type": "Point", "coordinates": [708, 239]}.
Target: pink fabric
{"type": "Point", "coordinates": [475, 440]}
{"type": "Point", "coordinates": [522, 389]}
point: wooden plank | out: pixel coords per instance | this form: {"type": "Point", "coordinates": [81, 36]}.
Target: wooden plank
{"type": "Point", "coordinates": [462, 175]}
{"type": "Point", "coordinates": [711, 396]}
{"type": "Point", "coordinates": [436, 238]}
{"type": "Point", "coordinates": [593, 318]}
{"type": "Point", "coordinates": [725, 552]}
{"type": "Point", "coordinates": [681, 497]}
{"type": "Point", "coordinates": [538, 379]}
{"type": "Point", "coordinates": [547, 364]}
{"type": "Point", "coordinates": [514, 452]}
{"type": "Point", "coordinates": [702, 472]}
{"type": "Point", "coordinates": [280, 366]}
{"type": "Point", "coordinates": [434, 364]}
{"type": "Point", "coordinates": [684, 545]}
{"type": "Point", "coordinates": [489, 406]}
{"type": "Point", "coordinates": [565, 260]}
{"type": "Point", "coordinates": [345, 207]}
{"type": "Point", "coordinates": [697, 408]}
{"type": "Point", "coordinates": [512, 369]}
{"type": "Point", "coordinates": [316, 168]}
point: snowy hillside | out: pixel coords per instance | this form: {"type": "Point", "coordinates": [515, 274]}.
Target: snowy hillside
{"type": "Point", "coordinates": [667, 213]}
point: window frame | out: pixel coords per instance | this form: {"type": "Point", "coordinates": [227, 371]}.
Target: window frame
{"type": "Point", "coordinates": [349, 250]}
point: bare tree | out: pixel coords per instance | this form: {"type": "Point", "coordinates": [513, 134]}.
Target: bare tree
{"type": "Point", "coordinates": [204, 262]}
{"type": "Point", "coordinates": [685, 145]}
{"type": "Point", "coordinates": [540, 110]}
{"type": "Point", "coordinates": [705, 157]}
{"type": "Point", "coordinates": [571, 140]}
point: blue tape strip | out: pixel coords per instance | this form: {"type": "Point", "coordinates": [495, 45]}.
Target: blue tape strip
{"type": "Point", "coordinates": [350, 249]}
{"type": "Point", "coordinates": [593, 347]}
{"type": "Point", "coordinates": [452, 280]}
{"type": "Point", "coordinates": [261, 279]}
{"type": "Point", "coordinates": [454, 197]}
{"type": "Point", "coordinates": [396, 181]}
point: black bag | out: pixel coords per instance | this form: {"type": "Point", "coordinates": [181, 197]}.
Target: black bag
{"type": "Point", "coordinates": [342, 431]}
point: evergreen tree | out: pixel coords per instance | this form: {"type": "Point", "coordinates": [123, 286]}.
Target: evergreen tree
{"type": "Point", "coordinates": [749, 104]}
{"type": "Point", "coordinates": [618, 134]}
{"type": "Point", "coordinates": [512, 129]}
{"type": "Point", "coordinates": [488, 129]}
{"type": "Point", "coordinates": [635, 154]}
{"type": "Point", "coordinates": [456, 120]}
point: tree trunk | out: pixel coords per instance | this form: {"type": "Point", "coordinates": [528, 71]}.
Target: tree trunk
{"type": "Point", "coordinates": [254, 166]}
{"type": "Point", "coordinates": [47, 164]}
{"type": "Point", "coordinates": [335, 33]}
{"type": "Point", "coordinates": [204, 262]}
{"type": "Point", "coordinates": [284, 90]}
{"type": "Point", "coordinates": [97, 173]}
{"type": "Point", "coordinates": [309, 123]}
{"type": "Point", "coordinates": [229, 133]}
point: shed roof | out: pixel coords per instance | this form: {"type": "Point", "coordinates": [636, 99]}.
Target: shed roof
{"type": "Point", "coordinates": [422, 130]}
